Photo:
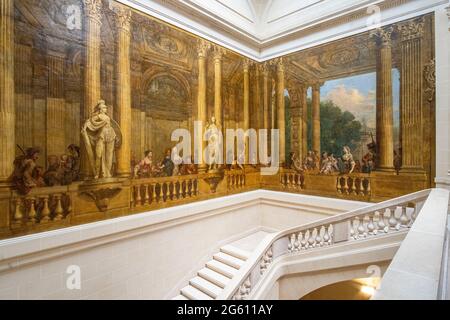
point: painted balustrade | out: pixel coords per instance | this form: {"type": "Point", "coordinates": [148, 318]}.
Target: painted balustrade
{"type": "Point", "coordinates": [235, 180]}
{"type": "Point", "coordinates": [41, 205]}
{"type": "Point", "coordinates": [151, 191]}
{"type": "Point", "coordinates": [354, 184]}
{"type": "Point", "coordinates": [290, 179]}
{"type": "Point", "coordinates": [390, 216]}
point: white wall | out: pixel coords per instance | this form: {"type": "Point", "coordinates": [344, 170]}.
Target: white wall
{"type": "Point", "coordinates": [145, 256]}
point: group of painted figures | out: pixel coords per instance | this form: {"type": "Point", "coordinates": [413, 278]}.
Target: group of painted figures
{"type": "Point", "coordinates": [329, 164]}
{"type": "Point", "coordinates": [61, 170]}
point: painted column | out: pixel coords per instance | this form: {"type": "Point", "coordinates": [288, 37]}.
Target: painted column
{"type": "Point", "coordinates": [281, 110]}
{"type": "Point", "coordinates": [203, 48]}
{"type": "Point", "coordinates": [385, 118]}
{"type": "Point", "coordinates": [266, 94]}
{"type": "Point", "coordinates": [56, 143]}
{"type": "Point", "coordinates": [304, 102]}
{"type": "Point", "coordinates": [246, 66]}
{"type": "Point", "coordinates": [123, 18]}
{"type": "Point", "coordinates": [93, 13]}
{"type": "Point", "coordinates": [316, 118]}
{"type": "Point", "coordinates": [218, 53]}
{"type": "Point", "coordinates": [7, 112]}
{"type": "Point", "coordinates": [411, 88]}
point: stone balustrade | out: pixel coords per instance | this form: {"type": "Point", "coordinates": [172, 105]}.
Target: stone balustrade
{"type": "Point", "coordinates": [151, 191]}
{"type": "Point", "coordinates": [390, 216]}
{"type": "Point", "coordinates": [41, 205]}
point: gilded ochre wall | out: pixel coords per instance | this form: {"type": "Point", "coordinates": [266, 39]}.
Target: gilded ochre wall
{"type": "Point", "coordinates": [59, 58]}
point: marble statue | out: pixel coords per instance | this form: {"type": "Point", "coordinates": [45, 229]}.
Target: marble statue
{"type": "Point", "coordinates": [101, 135]}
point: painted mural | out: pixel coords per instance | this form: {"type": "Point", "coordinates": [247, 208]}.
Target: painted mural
{"type": "Point", "coordinates": [94, 90]}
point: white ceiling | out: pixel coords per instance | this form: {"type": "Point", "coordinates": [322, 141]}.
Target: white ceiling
{"type": "Point", "coordinates": [264, 29]}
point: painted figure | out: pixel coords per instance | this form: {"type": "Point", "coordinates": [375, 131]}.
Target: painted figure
{"type": "Point", "coordinates": [101, 135]}
{"type": "Point", "coordinates": [146, 168]}
{"type": "Point", "coordinates": [369, 159]}
{"type": "Point", "coordinates": [25, 176]}
{"type": "Point", "coordinates": [347, 158]}
{"type": "Point", "coordinates": [213, 144]}
{"type": "Point", "coordinates": [167, 166]}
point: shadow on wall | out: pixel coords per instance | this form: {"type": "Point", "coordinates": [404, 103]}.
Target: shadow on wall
{"type": "Point", "coordinates": [356, 289]}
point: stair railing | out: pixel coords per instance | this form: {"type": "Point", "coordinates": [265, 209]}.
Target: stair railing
{"type": "Point", "coordinates": [383, 218]}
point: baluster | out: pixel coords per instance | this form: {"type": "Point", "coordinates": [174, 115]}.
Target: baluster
{"type": "Point", "coordinates": [196, 187]}
{"type": "Point", "coordinates": [380, 222]}
{"type": "Point", "coordinates": [18, 212]}
{"type": "Point", "coordinates": [319, 237]}
{"type": "Point", "coordinates": [58, 209]}
{"type": "Point", "coordinates": [311, 239]}
{"type": "Point", "coordinates": [338, 185]}
{"type": "Point", "coordinates": [190, 187]}
{"type": "Point", "coordinates": [371, 226]}
{"type": "Point", "coordinates": [404, 217]}
{"type": "Point", "coordinates": [138, 195]}
{"type": "Point", "coordinates": [69, 203]}
{"type": "Point", "coordinates": [291, 243]}
{"type": "Point", "coordinates": [361, 229]}
{"type": "Point", "coordinates": [393, 223]}
{"type": "Point", "coordinates": [353, 188]}
{"type": "Point", "coordinates": [328, 235]}
{"type": "Point", "coordinates": [361, 187]}
{"type": "Point", "coordinates": [32, 210]}
{"type": "Point", "coordinates": [346, 189]}
{"type": "Point", "coordinates": [303, 242]}
{"type": "Point", "coordinates": [368, 187]}
{"type": "Point", "coordinates": [146, 194]}
{"type": "Point", "coordinates": [299, 241]}
{"type": "Point", "coordinates": [45, 213]}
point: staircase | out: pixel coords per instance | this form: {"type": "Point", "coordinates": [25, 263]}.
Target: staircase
{"type": "Point", "coordinates": [211, 280]}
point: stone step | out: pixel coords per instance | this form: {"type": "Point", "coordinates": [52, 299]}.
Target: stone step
{"type": "Point", "coordinates": [214, 277]}
{"type": "Point", "coordinates": [180, 297]}
{"type": "Point", "coordinates": [229, 260]}
{"type": "Point", "coordinates": [222, 268]}
{"type": "Point", "coordinates": [206, 287]}
{"type": "Point", "coordinates": [194, 294]}
{"type": "Point", "coordinates": [235, 252]}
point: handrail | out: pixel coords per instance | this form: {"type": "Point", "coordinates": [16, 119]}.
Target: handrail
{"type": "Point", "coordinates": [351, 225]}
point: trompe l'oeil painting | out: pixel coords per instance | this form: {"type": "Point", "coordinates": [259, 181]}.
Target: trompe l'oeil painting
{"type": "Point", "coordinates": [93, 92]}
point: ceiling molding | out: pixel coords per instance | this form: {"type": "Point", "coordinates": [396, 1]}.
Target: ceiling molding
{"type": "Point", "coordinates": [266, 29]}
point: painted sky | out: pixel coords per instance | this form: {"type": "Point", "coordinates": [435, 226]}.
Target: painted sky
{"type": "Point", "coordinates": [357, 94]}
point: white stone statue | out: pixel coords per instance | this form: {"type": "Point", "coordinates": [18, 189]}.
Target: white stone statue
{"type": "Point", "coordinates": [101, 135]}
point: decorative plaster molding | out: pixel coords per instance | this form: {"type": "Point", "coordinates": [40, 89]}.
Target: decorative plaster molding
{"type": "Point", "coordinates": [289, 34]}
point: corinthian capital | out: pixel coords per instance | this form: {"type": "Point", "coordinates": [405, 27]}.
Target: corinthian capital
{"type": "Point", "coordinates": [411, 29]}
{"type": "Point", "coordinates": [383, 36]}
{"type": "Point", "coordinates": [123, 16]}
{"type": "Point", "coordinates": [202, 48]}
{"type": "Point", "coordinates": [93, 9]}
{"type": "Point", "coordinates": [219, 52]}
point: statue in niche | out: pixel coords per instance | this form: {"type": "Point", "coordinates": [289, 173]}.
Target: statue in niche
{"type": "Point", "coordinates": [101, 135]}
{"type": "Point", "coordinates": [213, 144]}
{"type": "Point", "coordinates": [348, 161]}
{"type": "Point", "coordinates": [27, 175]}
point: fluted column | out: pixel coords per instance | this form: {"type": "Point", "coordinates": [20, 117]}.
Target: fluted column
{"type": "Point", "coordinates": [123, 18]}
{"type": "Point", "coordinates": [218, 54]}
{"type": "Point", "coordinates": [7, 114]}
{"type": "Point", "coordinates": [266, 94]}
{"type": "Point", "coordinates": [93, 11]}
{"type": "Point", "coordinates": [316, 118]}
{"type": "Point", "coordinates": [203, 48]}
{"type": "Point", "coordinates": [384, 112]}
{"type": "Point", "coordinates": [281, 110]}
{"type": "Point", "coordinates": [411, 94]}
{"type": "Point", "coordinates": [304, 119]}
{"type": "Point", "coordinates": [246, 66]}
{"type": "Point", "coordinates": [55, 104]}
